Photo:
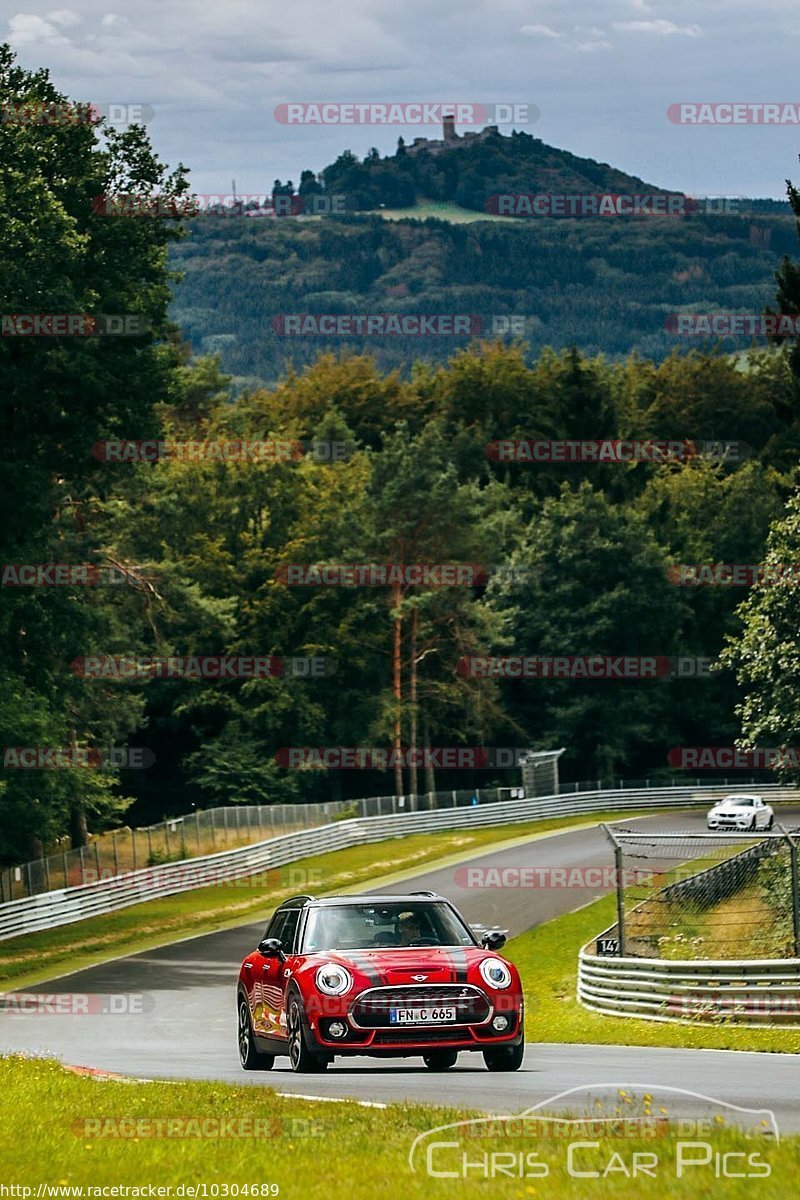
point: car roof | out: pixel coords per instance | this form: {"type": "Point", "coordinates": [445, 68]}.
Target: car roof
{"type": "Point", "coordinates": [377, 898]}
{"type": "Point", "coordinates": [740, 796]}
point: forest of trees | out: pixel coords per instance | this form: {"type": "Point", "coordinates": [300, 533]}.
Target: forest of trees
{"type": "Point", "coordinates": [607, 285]}
{"type": "Point", "coordinates": [579, 553]}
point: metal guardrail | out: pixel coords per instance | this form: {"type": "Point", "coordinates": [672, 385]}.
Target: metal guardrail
{"type": "Point", "coordinates": [66, 905]}
{"type": "Point", "coordinates": [745, 992]}
{"type": "Point", "coordinates": [705, 991]}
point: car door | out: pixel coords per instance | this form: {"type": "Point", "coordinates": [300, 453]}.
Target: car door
{"type": "Point", "coordinates": [265, 991]}
{"type": "Point", "coordinates": [762, 816]}
{"type": "Point", "coordinates": [269, 985]}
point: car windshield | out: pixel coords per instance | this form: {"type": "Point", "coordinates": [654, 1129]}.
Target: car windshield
{"type": "Point", "coordinates": [739, 801]}
{"type": "Point", "coordinates": [367, 926]}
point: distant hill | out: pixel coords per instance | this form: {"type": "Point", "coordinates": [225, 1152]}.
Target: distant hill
{"type": "Point", "coordinates": [607, 284]}
{"type": "Point", "coordinates": [468, 172]}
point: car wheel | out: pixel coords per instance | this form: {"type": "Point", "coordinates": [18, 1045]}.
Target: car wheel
{"type": "Point", "coordinates": [301, 1056]}
{"type": "Point", "coordinates": [440, 1060]}
{"type": "Point", "coordinates": [505, 1058]}
{"type": "Point", "coordinates": [251, 1058]}
{"type": "Point", "coordinates": [752, 824]}
{"type": "Point", "coordinates": [770, 821]}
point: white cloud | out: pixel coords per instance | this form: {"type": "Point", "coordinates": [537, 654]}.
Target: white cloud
{"type": "Point", "coordinates": [64, 17]}
{"type": "Point", "coordinates": [590, 47]}
{"type": "Point", "coordinates": [539, 31]}
{"type": "Point", "coordinates": [26, 29]}
{"type": "Point", "coordinates": [658, 27]}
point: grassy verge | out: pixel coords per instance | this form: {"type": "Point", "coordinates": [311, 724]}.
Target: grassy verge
{"type": "Point", "coordinates": [63, 1130]}
{"type": "Point", "coordinates": [548, 961]}
{"type": "Point", "coordinates": [444, 210]}
{"type": "Point", "coordinates": [34, 957]}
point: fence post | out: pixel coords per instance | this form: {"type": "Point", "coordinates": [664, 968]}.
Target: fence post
{"type": "Point", "coordinates": [97, 857]}
{"type": "Point", "coordinates": [133, 846]}
{"type": "Point", "coordinates": [66, 873]}
{"type": "Point", "coordinates": [82, 850]}
{"type": "Point", "coordinates": [620, 899]}
{"type": "Point", "coordinates": [114, 848]}
{"type": "Point", "coordinates": [28, 872]}
{"type": "Point", "coordinates": [795, 896]}
{"type": "Point", "coordinates": [197, 830]}
{"type": "Point", "coordinates": [46, 865]}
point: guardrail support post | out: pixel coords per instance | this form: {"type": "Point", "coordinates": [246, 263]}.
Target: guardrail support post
{"type": "Point", "coordinates": [620, 898]}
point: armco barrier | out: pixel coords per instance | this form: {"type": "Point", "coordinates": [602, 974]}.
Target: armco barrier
{"type": "Point", "coordinates": [747, 992]}
{"type": "Point", "coordinates": [66, 905]}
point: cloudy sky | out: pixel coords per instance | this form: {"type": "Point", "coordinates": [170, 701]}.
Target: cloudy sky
{"type": "Point", "coordinates": [602, 73]}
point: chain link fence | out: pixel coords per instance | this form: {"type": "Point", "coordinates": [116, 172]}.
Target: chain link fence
{"type": "Point", "coordinates": [209, 830]}
{"type": "Point", "coordinates": [710, 896]}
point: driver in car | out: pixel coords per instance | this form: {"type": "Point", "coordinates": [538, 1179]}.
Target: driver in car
{"type": "Point", "coordinates": [409, 928]}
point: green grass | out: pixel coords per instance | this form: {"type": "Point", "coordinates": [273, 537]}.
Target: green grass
{"type": "Point", "coordinates": [315, 1151]}
{"type": "Point", "coordinates": [32, 958]}
{"type": "Point", "coordinates": [443, 210]}
{"type": "Point", "coordinates": [547, 958]}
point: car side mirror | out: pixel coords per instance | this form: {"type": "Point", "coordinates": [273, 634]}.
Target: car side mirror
{"type": "Point", "coordinates": [495, 939]}
{"type": "Point", "coordinates": [271, 948]}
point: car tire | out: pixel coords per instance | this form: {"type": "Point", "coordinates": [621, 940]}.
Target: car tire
{"type": "Point", "coordinates": [505, 1058]}
{"type": "Point", "coordinates": [440, 1060]}
{"type": "Point", "coordinates": [752, 825]}
{"type": "Point", "coordinates": [250, 1058]}
{"type": "Point", "coordinates": [771, 821]}
{"type": "Point", "coordinates": [303, 1059]}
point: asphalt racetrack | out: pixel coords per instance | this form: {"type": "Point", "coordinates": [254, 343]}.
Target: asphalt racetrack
{"type": "Point", "coordinates": [188, 1026]}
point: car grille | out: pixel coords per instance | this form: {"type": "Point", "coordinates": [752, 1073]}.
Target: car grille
{"type": "Point", "coordinates": [371, 1009]}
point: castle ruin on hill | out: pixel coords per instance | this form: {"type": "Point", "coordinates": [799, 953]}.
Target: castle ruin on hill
{"type": "Point", "coordinates": [450, 138]}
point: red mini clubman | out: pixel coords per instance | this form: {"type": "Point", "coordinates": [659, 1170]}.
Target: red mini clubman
{"type": "Point", "coordinates": [387, 976]}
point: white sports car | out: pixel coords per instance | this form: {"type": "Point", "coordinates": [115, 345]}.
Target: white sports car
{"type": "Point", "coordinates": [741, 812]}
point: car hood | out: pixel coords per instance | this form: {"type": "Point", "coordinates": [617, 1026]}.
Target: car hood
{"type": "Point", "coordinates": [446, 964]}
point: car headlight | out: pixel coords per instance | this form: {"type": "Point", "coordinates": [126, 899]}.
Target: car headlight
{"type": "Point", "coordinates": [334, 980]}
{"type": "Point", "coordinates": [495, 973]}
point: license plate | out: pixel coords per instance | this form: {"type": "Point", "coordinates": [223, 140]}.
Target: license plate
{"type": "Point", "coordinates": [421, 1016]}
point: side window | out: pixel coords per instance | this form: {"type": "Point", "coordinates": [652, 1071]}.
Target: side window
{"type": "Point", "coordinates": [276, 926]}
{"type": "Point", "coordinates": [287, 936]}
